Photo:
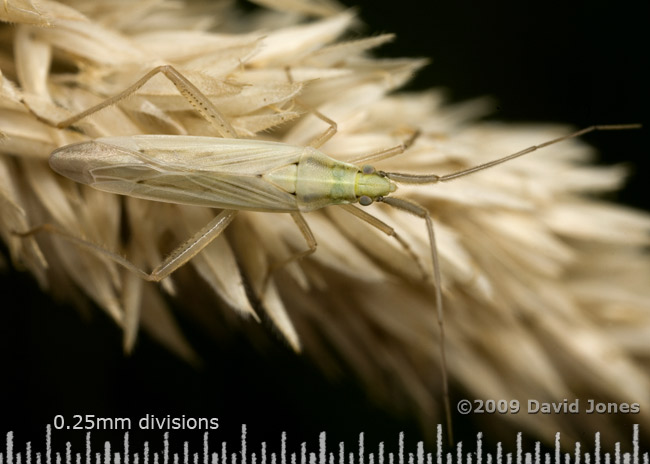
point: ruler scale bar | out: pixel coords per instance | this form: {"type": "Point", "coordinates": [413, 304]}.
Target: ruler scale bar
{"type": "Point", "coordinates": [461, 454]}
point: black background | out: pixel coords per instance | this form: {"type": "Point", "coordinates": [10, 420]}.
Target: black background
{"type": "Point", "coordinates": [574, 62]}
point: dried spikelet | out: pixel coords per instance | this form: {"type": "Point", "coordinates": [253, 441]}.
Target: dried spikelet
{"type": "Point", "coordinates": [526, 254]}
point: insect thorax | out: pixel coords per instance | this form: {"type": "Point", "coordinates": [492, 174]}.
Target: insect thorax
{"type": "Point", "coordinates": [323, 181]}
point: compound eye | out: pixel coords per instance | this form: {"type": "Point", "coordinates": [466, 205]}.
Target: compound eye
{"type": "Point", "coordinates": [365, 200]}
{"type": "Point", "coordinates": [367, 169]}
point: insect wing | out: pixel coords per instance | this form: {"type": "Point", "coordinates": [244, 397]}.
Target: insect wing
{"type": "Point", "coordinates": [203, 171]}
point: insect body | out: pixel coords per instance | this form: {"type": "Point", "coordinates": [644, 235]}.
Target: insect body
{"type": "Point", "coordinates": [233, 174]}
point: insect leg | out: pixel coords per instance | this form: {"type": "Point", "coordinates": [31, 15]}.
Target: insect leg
{"type": "Point", "coordinates": [329, 132]}
{"type": "Point", "coordinates": [309, 238]}
{"type": "Point", "coordinates": [388, 152]}
{"type": "Point", "coordinates": [193, 245]}
{"type": "Point", "coordinates": [307, 233]}
{"type": "Point", "coordinates": [188, 90]}
{"type": "Point", "coordinates": [179, 256]}
{"type": "Point", "coordinates": [386, 229]}
{"type": "Point", "coordinates": [420, 211]}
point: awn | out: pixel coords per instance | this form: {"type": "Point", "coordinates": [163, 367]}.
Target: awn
{"type": "Point", "coordinates": [237, 174]}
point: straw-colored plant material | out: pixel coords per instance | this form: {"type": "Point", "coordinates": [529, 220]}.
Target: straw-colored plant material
{"type": "Point", "coordinates": [545, 288]}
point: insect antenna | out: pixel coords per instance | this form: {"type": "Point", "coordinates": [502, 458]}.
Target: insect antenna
{"type": "Point", "coordinates": [434, 178]}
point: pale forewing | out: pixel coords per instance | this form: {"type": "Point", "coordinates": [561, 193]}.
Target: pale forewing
{"type": "Point", "coordinates": [203, 171]}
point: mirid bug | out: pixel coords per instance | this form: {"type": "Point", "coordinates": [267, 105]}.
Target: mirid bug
{"type": "Point", "coordinates": [237, 174]}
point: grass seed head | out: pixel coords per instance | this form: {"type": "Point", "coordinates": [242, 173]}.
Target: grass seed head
{"type": "Point", "coordinates": [528, 255]}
